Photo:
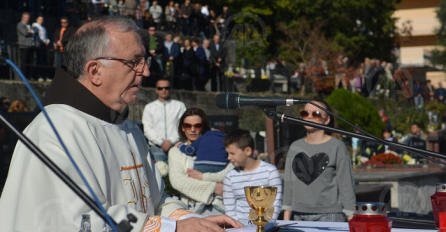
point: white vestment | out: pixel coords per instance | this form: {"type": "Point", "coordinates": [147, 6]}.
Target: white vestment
{"type": "Point", "coordinates": [113, 158]}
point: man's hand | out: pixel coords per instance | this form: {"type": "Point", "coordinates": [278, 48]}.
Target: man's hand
{"type": "Point", "coordinates": [152, 52]}
{"type": "Point", "coordinates": [194, 174]}
{"type": "Point", "coordinates": [171, 58]}
{"type": "Point", "coordinates": [166, 145]}
{"type": "Point", "coordinates": [59, 43]}
{"type": "Point", "coordinates": [211, 223]}
{"type": "Point", "coordinates": [224, 220]}
{"type": "Point", "coordinates": [219, 189]}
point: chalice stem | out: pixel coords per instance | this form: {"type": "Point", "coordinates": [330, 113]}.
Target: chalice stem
{"type": "Point", "coordinates": [260, 229]}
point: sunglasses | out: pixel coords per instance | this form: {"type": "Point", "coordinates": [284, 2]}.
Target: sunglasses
{"type": "Point", "coordinates": [161, 88]}
{"type": "Point", "coordinates": [316, 115]}
{"type": "Point", "coordinates": [198, 126]}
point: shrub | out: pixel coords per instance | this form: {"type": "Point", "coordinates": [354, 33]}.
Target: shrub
{"type": "Point", "coordinates": [356, 110]}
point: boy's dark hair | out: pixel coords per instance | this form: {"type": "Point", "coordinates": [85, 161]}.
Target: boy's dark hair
{"type": "Point", "coordinates": [241, 138]}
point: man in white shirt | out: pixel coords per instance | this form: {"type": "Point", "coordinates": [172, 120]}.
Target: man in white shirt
{"type": "Point", "coordinates": [41, 39]}
{"type": "Point", "coordinates": [160, 120]}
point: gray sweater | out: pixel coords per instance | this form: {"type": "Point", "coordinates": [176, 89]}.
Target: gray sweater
{"type": "Point", "coordinates": [319, 178]}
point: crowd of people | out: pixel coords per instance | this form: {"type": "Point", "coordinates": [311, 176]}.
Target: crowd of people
{"type": "Point", "coordinates": [88, 102]}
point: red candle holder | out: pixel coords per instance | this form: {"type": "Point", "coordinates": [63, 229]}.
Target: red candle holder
{"type": "Point", "coordinates": [370, 217]}
{"type": "Point", "coordinates": [439, 207]}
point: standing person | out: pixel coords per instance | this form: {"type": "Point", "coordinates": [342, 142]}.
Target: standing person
{"type": "Point", "coordinates": [188, 64]}
{"type": "Point", "coordinates": [160, 119]}
{"type": "Point", "coordinates": [60, 39]}
{"type": "Point", "coordinates": [155, 47]}
{"type": "Point", "coordinates": [178, 18]}
{"type": "Point", "coordinates": [109, 149]}
{"type": "Point", "coordinates": [221, 22]}
{"type": "Point", "coordinates": [169, 12]}
{"type": "Point", "coordinates": [429, 92]}
{"type": "Point", "coordinates": [385, 119]}
{"type": "Point", "coordinates": [25, 35]}
{"type": "Point", "coordinates": [218, 55]}
{"type": "Point", "coordinates": [156, 11]}
{"type": "Point", "coordinates": [42, 42]}
{"type": "Point", "coordinates": [323, 191]}
{"type": "Point", "coordinates": [197, 190]}
{"type": "Point", "coordinates": [440, 93]}
{"type": "Point", "coordinates": [207, 71]}
{"type": "Point", "coordinates": [130, 7]}
{"type": "Point", "coordinates": [171, 57]}
{"type": "Point", "coordinates": [418, 91]}
{"type": "Point", "coordinates": [147, 20]}
{"type": "Point", "coordinates": [185, 12]}
{"type": "Point", "coordinates": [247, 172]}
{"type": "Point", "coordinates": [212, 23]}
{"type": "Point", "coordinates": [199, 68]}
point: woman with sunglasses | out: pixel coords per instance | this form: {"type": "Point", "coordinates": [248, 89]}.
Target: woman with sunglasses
{"type": "Point", "coordinates": [318, 180]}
{"type": "Point", "coordinates": [200, 191]}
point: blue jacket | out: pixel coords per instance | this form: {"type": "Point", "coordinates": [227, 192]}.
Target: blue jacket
{"type": "Point", "coordinates": [174, 51]}
{"type": "Point", "coordinates": [208, 148]}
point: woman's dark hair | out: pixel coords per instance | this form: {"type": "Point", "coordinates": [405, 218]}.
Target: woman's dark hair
{"type": "Point", "coordinates": [328, 108]}
{"type": "Point", "coordinates": [192, 112]}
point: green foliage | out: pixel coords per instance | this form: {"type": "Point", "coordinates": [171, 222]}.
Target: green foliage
{"type": "Point", "coordinates": [168, 187]}
{"type": "Point", "coordinates": [438, 56]}
{"type": "Point", "coordinates": [253, 119]}
{"type": "Point", "coordinates": [356, 110]}
{"type": "Point", "coordinates": [402, 114]}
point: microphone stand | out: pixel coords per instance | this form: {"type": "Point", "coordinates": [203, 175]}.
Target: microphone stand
{"type": "Point", "coordinates": [271, 113]}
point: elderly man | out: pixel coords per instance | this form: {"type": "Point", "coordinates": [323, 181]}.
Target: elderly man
{"type": "Point", "coordinates": [25, 35]}
{"type": "Point", "coordinates": [88, 103]}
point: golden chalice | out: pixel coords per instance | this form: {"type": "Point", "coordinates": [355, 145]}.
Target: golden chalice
{"type": "Point", "coordinates": [261, 199]}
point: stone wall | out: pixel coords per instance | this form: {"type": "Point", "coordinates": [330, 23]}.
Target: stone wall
{"type": "Point", "coordinates": [249, 117]}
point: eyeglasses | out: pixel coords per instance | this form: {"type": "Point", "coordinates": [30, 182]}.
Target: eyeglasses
{"type": "Point", "coordinates": [198, 126]}
{"type": "Point", "coordinates": [138, 64]}
{"type": "Point", "coordinates": [63, 22]}
{"type": "Point", "coordinates": [161, 88]}
{"type": "Point", "coordinates": [316, 115]}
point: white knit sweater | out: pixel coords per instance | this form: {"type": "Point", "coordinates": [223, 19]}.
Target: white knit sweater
{"type": "Point", "coordinates": [192, 190]}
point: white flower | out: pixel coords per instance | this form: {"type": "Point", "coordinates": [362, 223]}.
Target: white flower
{"type": "Point", "coordinates": [412, 161]}
{"type": "Point", "coordinates": [163, 167]}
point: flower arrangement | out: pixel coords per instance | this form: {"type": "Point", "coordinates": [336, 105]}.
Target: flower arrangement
{"type": "Point", "coordinates": [384, 158]}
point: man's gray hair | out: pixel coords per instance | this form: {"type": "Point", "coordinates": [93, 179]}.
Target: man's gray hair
{"type": "Point", "coordinates": [92, 41]}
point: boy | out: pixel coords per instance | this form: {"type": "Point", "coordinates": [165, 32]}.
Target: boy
{"type": "Point", "coordinates": [247, 172]}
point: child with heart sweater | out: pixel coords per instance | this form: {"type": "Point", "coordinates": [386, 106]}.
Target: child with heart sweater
{"type": "Point", "coordinates": [318, 180]}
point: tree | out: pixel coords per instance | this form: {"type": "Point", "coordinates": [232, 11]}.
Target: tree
{"type": "Point", "coordinates": [361, 28]}
{"type": "Point", "coordinates": [438, 56]}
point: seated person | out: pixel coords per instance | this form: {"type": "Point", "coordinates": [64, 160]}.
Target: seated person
{"type": "Point", "coordinates": [210, 153]}
{"type": "Point", "coordinates": [247, 172]}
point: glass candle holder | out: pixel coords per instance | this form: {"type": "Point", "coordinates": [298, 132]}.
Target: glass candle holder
{"type": "Point", "coordinates": [439, 207]}
{"type": "Point", "coordinates": [370, 217]}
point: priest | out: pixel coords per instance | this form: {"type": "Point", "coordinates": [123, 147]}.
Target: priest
{"type": "Point", "coordinates": [88, 103]}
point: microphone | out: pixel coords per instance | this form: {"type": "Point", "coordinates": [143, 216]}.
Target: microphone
{"type": "Point", "coordinates": [231, 101]}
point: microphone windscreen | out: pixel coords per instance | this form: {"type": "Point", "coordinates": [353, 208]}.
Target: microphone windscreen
{"type": "Point", "coordinates": [226, 100]}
